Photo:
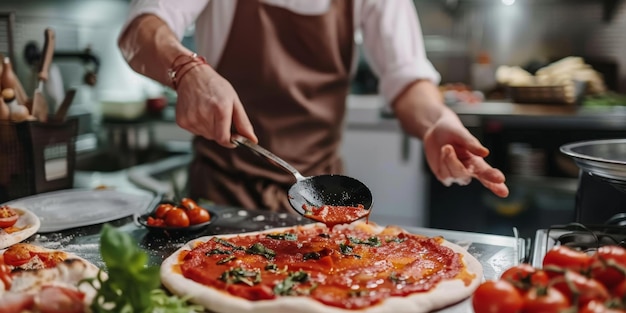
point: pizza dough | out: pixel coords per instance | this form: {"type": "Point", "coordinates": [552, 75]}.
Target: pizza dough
{"type": "Point", "coordinates": [445, 293]}
{"type": "Point", "coordinates": [68, 271]}
{"type": "Point", "coordinates": [28, 224]}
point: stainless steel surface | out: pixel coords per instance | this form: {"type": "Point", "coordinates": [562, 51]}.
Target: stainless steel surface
{"type": "Point", "coordinates": [605, 159]}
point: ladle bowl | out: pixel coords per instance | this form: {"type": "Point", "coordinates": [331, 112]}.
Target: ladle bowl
{"type": "Point", "coordinates": [316, 191]}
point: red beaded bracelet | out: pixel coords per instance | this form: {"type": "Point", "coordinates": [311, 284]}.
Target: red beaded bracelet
{"type": "Point", "coordinates": [177, 71]}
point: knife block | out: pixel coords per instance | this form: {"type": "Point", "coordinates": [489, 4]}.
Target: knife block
{"type": "Point", "coordinates": [36, 157]}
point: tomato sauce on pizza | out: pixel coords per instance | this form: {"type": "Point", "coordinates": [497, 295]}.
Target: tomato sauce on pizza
{"type": "Point", "coordinates": [348, 268]}
{"type": "Point", "coordinates": [332, 215]}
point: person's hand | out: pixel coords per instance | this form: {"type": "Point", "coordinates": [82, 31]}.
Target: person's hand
{"type": "Point", "coordinates": [456, 156]}
{"type": "Point", "coordinates": [208, 106]}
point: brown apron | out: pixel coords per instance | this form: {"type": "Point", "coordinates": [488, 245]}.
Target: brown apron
{"type": "Point", "coordinates": [291, 73]}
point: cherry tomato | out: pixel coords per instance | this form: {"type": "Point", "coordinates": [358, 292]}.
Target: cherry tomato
{"type": "Point", "coordinates": [17, 255]}
{"type": "Point", "coordinates": [497, 296]}
{"type": "Point", "coordinates": [619, 291]}
{"type": "Point", "coordinates": [188, 203]}
{"type": "Point", "coordinates": [598, 307]}
{"type": "Point", "coordinates": [563, 257]}
{"type": "Point", "coordinates": [545, 300]}
{"type": "Point", "coordinates": [60, 300]}
{"type": "Point", "coordinates": [524, 276]}
{"type": "Point", "coordinates": [587, 289]}
{"type": "Point", "coordinates": [156, 222]}
{"type": "Point", "coordinates": [162, 209]}
{"type": "Point", "coordinates": [609, 265]}
{"type": "Point", "coordinates": [8, 217]}
{"type": "Point", "coordinates": [177, 218]}
{"type": "Point", "coordinates": [198, 215]}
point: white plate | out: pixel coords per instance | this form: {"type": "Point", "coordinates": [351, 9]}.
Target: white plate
{"type": "Point", "coordinates": [66, 209]}
{"type": "Point", "coordinates": [28, 224]}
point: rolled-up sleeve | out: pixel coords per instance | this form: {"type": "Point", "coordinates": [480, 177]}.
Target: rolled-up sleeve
{"type": "Point", "coordinates": [177, 14]}
{"type": "Point", "coordinates": [394, 45]}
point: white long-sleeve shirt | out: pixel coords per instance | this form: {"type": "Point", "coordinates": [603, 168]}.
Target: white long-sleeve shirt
{"type": "Point", "coordinates": [392, 36]}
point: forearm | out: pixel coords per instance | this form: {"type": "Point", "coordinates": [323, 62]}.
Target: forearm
{"type": "Point", "coordinates": [150, 47]}
{"type": "Point", "coordinates": [419, 106]}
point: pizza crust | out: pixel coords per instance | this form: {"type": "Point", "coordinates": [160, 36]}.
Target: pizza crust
{"type": "Point", "coordinates": [446, 293]}
{"type": "Point", "coordinates": [29, 224]}
{"type": "Point", "coordinates": [68, 273]}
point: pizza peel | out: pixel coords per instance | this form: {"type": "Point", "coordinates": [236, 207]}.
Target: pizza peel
{"type": "Point", "coordinates": [316, 191]}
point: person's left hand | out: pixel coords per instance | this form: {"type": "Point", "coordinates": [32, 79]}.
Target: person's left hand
{"type": "Point", "coordinates": [456, 156]}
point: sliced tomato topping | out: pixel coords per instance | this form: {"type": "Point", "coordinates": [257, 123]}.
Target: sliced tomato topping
{"type": "Point", "coordinates": [8, 217]}
{"type": "Point", "coordinates": [17, 255]}
{"type": "Point", "coordinates": [54, 299]}
{"type": "Point", "coordinates": [12, 302]}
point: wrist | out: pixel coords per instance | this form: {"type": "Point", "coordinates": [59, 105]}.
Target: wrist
{"type": "Point", "coordinates": [181, 65]}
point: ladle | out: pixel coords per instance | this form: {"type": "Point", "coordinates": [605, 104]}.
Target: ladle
{"type": "Point", "coordinates": [316, 191]}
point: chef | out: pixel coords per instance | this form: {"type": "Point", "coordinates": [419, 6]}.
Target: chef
{"type": "Point", "coordinates": [278, 72]}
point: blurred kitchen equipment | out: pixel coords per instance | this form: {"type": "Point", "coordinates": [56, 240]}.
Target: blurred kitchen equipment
{"type": "Point", "coordinates": [605, 159]}
{"type": "Point", "coordinates": [601, 189]}
{"type": "Point", "coordinates": [7, 26]}
{"type": "Point", "coordinates": [61, 113]}
{"type": "Point", "coordinates": [40, 105]}
{"type": "Point", "coordinates": [316, 191]}
{"type": "Point", "coordinates": [36, 157]}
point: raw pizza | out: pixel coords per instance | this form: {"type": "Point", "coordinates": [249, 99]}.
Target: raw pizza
{"type": "Point", "coordinates": [35, 279]}
{"type": "Point", "coordinates": [350, 268]}
{"type": "Point", "coordinates": [16, 224]}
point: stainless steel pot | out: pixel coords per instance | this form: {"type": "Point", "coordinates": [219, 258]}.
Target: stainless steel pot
{"type": "Point", "coordinates": [601, 189]}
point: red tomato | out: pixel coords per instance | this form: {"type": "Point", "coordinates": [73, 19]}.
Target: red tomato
{"type": "Point", "coordinates": [598, 307]}
{"type": "Point", "coordinates": [587, 289]}
{"type": "Point", "coordinates": [177, 218]}
{"type": "Point", "coordinates": [545, 300]}
{"type": "Point", "coordinates": [497, 296]}
{"type": "Point", "coordinates": [524, 276]}
{"type": "Point", "coordinates": [609, 265]}
{"type": "Point", "coordinates": [188, 203]}
{"type": "Point", "coordinates": [17, 255]}
{"type": "Point", "coordinates": [198, 215]}
{"type": "Point", "coordinates": [162, 209]}
{"type": "Point", "coordinates": [619, 291]}
{"type": "Point", "coordinates": [60, 300]}
{"type": "Point", "coordinates": [156, 222]}
{"type": "Point", "coordinates": [563, 257]}
{"type": "Point", "coordinates": [8, 217]}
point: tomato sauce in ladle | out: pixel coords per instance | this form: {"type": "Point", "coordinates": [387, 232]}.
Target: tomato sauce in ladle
{"type": "Point", "coordinates": [332, 215]}
{"type": "Point", "coordinates": [330, 199]}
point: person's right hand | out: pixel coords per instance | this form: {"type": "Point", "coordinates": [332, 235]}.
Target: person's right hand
{"type": "Point", "coordinates": [208, 106]}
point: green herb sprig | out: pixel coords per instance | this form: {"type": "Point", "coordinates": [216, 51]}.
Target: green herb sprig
{"type": "Point", "coordinates": [131, 285]}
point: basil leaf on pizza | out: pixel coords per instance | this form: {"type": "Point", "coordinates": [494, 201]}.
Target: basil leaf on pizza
{"type": "Point", "coordinates": [312, 269]}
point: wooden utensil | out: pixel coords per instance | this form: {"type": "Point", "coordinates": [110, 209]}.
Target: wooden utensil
{"type": "Point", "coordinates": [8, 79]}
{"type": "Point", "coordinates": [5, 113]}
{"type": "Point", "coordinates": [61, 113]}
{"type": "Point", "coordinates": [40, 105]}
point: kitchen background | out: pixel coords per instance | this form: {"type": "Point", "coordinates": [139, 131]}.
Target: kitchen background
{"type": "Point", "coordinates": [458, 35]}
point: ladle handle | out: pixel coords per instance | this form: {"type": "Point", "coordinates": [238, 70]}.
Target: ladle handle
{"type": "Point", "coordinates": [240, 140]}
